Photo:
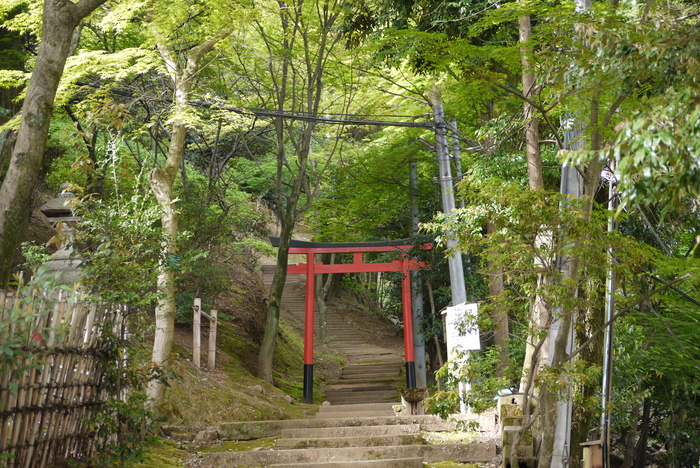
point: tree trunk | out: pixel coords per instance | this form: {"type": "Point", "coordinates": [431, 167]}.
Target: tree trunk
{"type": "Point", "coordinates": [641, 450]}
{"type": "Point", "coordinates": [630, 440]}
{"type": "Point", "coordinates": [162, 181]}
{"type": "Point", "coordinates": [500, 319]}
{"type": "Point", "coordinates": [274, 304]}
{"type": "Point", "coordinates": [539, 315]}
{"type": "Point", "coordinates": [299, 88]}
{"type": "Point", "coordinates": [532, 129]}
{"type": "Point", "coordinates": [60, 18]}
{"type": "Point", "coordinates": [322, 288]}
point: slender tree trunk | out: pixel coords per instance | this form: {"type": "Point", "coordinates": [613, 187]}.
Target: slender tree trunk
{"type": "Point", "coordinates": [500, 319]}
{"type": "Point", "coordinates": [60, 19]}
{"type": "Point", "coordinates": [162, 181]}
{"type": "Point", "coordinates": [274, 305]}
{"type": "Point", "coordinates": [322, 288]}
{"type": "Point", "coordinates": [630, 439]}
{"type": "Point", "coordinates": [532, 129]}
{"type": "Point", "coordinates": [641, 450]}
{"type": "Point", "coordinates": [299, 89]}
{"type": "Point", "coordinates": [539, 315]}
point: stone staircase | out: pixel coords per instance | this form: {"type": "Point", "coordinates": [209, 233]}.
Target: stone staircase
{"type": "Point", "coordinates": [338, 440]}
{"type": "Point", "coordinates": [357, 425]}
{"type": "Point", "coordinates": [373, 354]}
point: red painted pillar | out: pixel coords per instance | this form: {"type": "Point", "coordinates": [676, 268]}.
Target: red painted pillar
{"type": "Point", "coordinates": [309, 329]}
{"type": "Point", "coordinates": [408, 324]}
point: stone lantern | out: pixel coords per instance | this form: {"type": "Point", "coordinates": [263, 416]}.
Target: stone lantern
{"type": "Point", "coordinates": [66, 260]}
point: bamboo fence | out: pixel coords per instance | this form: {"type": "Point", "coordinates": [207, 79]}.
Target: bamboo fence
{"type": "Point", "coordinates": [50, 380]}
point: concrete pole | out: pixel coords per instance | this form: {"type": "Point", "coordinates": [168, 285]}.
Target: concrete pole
{"type": "Point", "coordinates": [456, 151]}
{"type": "Point", "coordinates": [416, 285]}
{"type": "Point", "coordinates": [459, 294]}
{"type": "Point", "coordinates": [572, 187]}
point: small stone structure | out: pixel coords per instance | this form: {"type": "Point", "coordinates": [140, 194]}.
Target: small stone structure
{"type": "Point", "coordinates": [510, 419]}
{"type": "Point", "coordinates": [66, 261]}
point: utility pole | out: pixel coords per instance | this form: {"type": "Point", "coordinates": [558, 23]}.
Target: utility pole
{"type": "Point", "coordinates": [456, 151]}
{"type": "Point", "coordinates": [417, 285]}
{"type": "Point", "coordinates": [606, 391]}
{"type": "Point", "coordinates": [571, 187]}
{"type": "Point", "coordinates": [459, 294]}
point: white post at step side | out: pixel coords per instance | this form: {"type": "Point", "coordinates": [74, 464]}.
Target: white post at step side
{"type": "Point", "coordinates": [197, 332]}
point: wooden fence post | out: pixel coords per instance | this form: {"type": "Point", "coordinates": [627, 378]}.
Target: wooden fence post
{"type": "Point", "coordinates": [213, 323]}
{"type": "Point", "coordinates": [197, 332]}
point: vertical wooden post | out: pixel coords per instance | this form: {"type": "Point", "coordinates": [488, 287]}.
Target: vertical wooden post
{"type": "Point", "coordinates": [213, 323]}
{"type": "Point", "coordinates": [197, 332]}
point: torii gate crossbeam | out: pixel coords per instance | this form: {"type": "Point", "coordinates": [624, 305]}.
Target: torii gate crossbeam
{"type": "Point", "coordinates": [311, 268]}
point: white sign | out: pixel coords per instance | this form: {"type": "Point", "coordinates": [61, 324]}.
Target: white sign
{"type": "Point", "coordinates": [462, 334]}
{"type": "Point", "coordinates": [461, 328]}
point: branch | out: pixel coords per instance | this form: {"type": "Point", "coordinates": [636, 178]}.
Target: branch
{"type": "Point", "coordinates": [675, 337]}
{"type": "Point", "coordinates": [520, 95]}
{"type": "Point", "coordinates": [613, 108]}
{"type": "Point", "coordinates": [196, 54]}
{"type": "Point", "coordinates": [639, 301]}
{"type": "Point", "coordinates": [84, 7]}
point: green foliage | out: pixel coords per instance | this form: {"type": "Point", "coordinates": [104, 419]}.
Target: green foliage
{"type": "Point", "coordinates": [481, 369]}
{"type": "Point", "coordinates": [124, 424]}
{"type": "Point", "coordinates": [34, 255]}
{"type": "Point", "coordinates": [123, 251]}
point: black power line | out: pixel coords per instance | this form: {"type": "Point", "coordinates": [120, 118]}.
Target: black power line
{"type": "Point", "coordinates": [338, 119]}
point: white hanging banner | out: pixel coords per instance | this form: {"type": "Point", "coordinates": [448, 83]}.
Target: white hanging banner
{"type": "Point", "coordinates": [462, 334]}
{"type": "Point", "coordinates": [461, 328]}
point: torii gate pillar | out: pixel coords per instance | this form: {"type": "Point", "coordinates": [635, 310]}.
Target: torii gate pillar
{"type": "Point", "coordinates": [309, 328]}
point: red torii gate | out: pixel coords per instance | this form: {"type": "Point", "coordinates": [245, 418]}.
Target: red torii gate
{"type": "Point", "coordinates": [311, 268]}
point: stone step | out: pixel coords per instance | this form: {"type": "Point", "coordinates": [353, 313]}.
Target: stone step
{"type": "Point", "coordinates": [356, 441]}
{"type": "Point", "coordinates": [391, 463]}
{"type": "Point", "coordinates": [247, 430]}
{"type": "Point", "coordinates": [352, 431]}
{"type": "Point", "coordinates": [350, 408]}
{"type": "Point", "coordinates": [465, 453]}
{"type": "Point", "coordinates": [368, 393]}
{"type": "Point", "coordinates": [369, 379]}
{"type": "Point", "coordinates": [355, 399]}
{"type": "Point", "coordinates": [358, 414]}
{"type": "Point", "coordinates": [362, 386]}
{"type": "Point", "coordinates": [385, 366]}
{"type": "Point", "coordinates": [393, 377]}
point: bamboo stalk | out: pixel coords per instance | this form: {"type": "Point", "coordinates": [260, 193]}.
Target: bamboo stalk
{"type": "Point", "coordinates": [72, 316]}
{"type": "Point", "coordinates": [5, 396]}
{"type": "Point", "coordinates": [60, 366]}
